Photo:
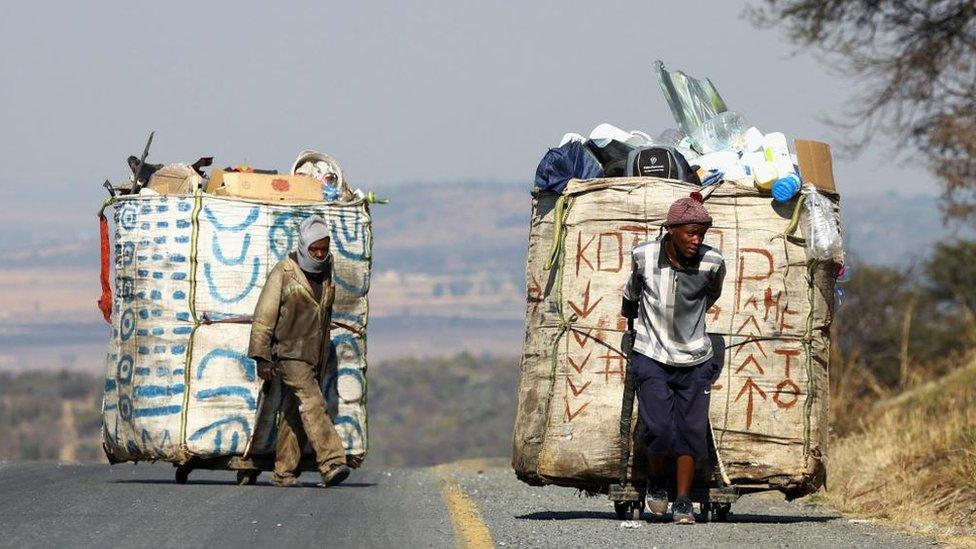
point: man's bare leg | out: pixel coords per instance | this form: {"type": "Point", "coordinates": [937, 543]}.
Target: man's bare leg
{"type": "Point", "coordinates": [656, 498]}
{"type": "Point", "coordinates": [682, 511]}
{"type": "Point", "coordinates": [685, 474]}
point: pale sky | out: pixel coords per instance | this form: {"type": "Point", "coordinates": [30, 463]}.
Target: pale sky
{"type": "Point", "coordinates": [398, 92]}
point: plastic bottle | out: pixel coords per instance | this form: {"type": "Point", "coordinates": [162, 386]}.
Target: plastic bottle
{"type": "Point", "coordinates": [820, 227]}
{"type": "Point", "coordinates": [785, 188]}
{"type": "Point", "coordinates": [777, 150]}
{"type": "Point", "coordinates": [670, 137]}
{"type": "Point", "coordinates": [763, 172]}
{"type": "Point", "coordinates": [723, 132]}
{"type": "Point", "coordinates": [753, 139]}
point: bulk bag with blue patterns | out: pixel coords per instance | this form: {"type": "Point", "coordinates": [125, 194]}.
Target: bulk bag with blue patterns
{"type": "Point", "coordinates": [188, 272]}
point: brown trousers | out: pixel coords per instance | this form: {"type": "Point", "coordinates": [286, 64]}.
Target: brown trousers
{"type": "Point", "coordinates": [304, 418]}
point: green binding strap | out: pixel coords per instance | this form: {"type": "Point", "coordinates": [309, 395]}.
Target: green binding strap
{"type": "Point", "coordinates": [556, 252]}
{"type": "Point", "coordinates": [373, 199]}
{"type": "Point", "coordinates": [808, 350]}
{"type": "Point", "coordinates": [105, 204]}
{"type": "Point", "coordinates": [795, 222]}
{"type": "Point", "coordinates": [194, 241]}
{"type": "Point", "coordinates": [558, 234]}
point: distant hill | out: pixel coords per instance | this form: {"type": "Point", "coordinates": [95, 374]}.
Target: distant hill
{"type": "Point", "coordinates": [893, 229]}
{"type": "Point", "coordinates": [460, 227]}
{"type": "Point", "coordinates": [449, 271]}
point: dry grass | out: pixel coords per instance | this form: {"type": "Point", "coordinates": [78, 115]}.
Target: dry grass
{"type": "Point", "coordinates": [913, 462]}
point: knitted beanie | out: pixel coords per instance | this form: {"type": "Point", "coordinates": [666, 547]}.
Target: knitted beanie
{"type": "Point", "coordinates": [688, 210]}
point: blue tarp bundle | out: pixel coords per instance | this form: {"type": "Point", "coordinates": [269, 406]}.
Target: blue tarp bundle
{"type": "Point", "coordinates": [570, 161]}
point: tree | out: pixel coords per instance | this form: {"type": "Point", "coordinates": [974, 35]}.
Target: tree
{"type": "Point", "coordinates": [899, 326]}
{"type": "Point", "coordinates": [951, 280]}
{"type": "Point", "coordinates": [917, 60]}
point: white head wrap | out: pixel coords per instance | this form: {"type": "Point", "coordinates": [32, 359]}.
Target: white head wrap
{"type": "Point", "coordinates": [310, 231]}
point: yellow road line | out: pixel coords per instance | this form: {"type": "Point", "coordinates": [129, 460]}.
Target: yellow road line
{"type": "Point", "coordinates": [470, 530]}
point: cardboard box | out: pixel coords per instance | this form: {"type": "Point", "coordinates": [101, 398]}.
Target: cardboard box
{"type": "Point", "coordinates": [174, 180]}
{"type": "Point", "coordinates": [286, 189]}
{"type": "Point", "coordinates": [816, 166]}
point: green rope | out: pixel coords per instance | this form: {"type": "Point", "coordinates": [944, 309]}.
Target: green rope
{"type": "Point", "coordinates": [373, 199]}
{"type": "Point", "coordinates": [558, 243]}
{"type": "Point", "coordinates": [194, 241]}
{"type": "Point", "coordinates": [807, 336]}
{"type": "Point", "coordinates": [558, 233]}
{"type": "Point", "coordinates": [368, 250]}
{"type": "Point", "coordinates": [795, 222]}
{"type": "Point", "coordinates": [105, 204]}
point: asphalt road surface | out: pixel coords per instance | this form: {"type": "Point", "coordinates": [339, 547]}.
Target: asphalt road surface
{"type": "Point", "coordinates": [469, 504]}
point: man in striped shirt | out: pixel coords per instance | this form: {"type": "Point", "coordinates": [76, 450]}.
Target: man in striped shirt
{"type": "Point", "coordinates": [675, 280]}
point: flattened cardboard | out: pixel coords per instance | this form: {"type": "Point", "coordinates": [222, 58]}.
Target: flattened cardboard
{"type": "Point", "coordinates": [174, 183]}
{"type": "Point", "coordinates": [816, 166]}
{"type": "Point", "coordinates": [285, 189]}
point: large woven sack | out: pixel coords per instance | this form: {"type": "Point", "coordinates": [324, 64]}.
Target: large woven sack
{"type": "Point", "coordinates": [189, 270]}
{"type": "Point", "coordinates": [770, 330]}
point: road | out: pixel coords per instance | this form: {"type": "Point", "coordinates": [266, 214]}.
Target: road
{"type": "Point", "coordinates": [471, 503]}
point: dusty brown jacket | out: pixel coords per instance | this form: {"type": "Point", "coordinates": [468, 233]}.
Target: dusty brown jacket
{"type": "Point", "coordinates": [288, 322]}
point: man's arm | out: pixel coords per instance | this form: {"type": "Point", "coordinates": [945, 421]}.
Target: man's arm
{"type": "Point", "coordinates": [263, 326]}
{"type": "Point", "coordinates": [714, 289]}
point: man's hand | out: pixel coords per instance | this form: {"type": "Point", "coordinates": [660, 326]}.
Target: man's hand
{"type": "Point", "coordinates": [266, 370]}
{"type": "Point", "coordinates": [627, 343]}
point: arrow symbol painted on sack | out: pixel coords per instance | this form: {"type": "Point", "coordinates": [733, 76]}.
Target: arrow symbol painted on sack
{"type": "Point", "coordinates": [570, 416]}
{"type": "Point", "coordinates": [581, 336]}
{"type": "Point", "coordinates": [741, 330]}
{"type": "Point", "coordinates": [751, 386]}
{"type": "Point", "coordinates": [751, 340]}
{"type": "Point", "coordinates": [746, 362]}
{"type": "Point", "coordinates": [572, 387]}
{"type": "Point", "coordinates": [535, 290]}
{"type": "Point", "coordinates": [579, 367]}
{"type": "Point", "coordinates": [587, 308]}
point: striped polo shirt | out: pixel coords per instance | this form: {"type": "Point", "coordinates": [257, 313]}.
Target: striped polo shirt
{"type": "Point", "coordinates": [671, 325]}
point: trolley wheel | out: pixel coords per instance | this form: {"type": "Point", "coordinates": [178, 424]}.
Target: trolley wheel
{"type": "Point", "coordinates": [721, 511]}
{"type": "Point", "coordinates": [706, 512]}
{"type": "Point", "coordinates": [183, 473]}
{"type": "Point", "coordinates": [247, 477]}
{"type": "Point", "coordinates": [628, 510]}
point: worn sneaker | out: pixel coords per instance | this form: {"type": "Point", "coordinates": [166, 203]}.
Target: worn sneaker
{"type": "Point", "coordinates": [682, 511]}
{"type": "Point", "coordinates": [335, 475]}
{"type": "Point", "coordinates": [284, 482]}
{"type": "Point", "coordinates": [656, 501]}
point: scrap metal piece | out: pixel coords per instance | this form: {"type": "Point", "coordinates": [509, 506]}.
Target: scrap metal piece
{"type": "Point", "coordinates": [137, 170]}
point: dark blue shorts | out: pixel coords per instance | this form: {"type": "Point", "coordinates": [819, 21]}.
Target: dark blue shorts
{"type": "Point", "coordinates": [673, 404]}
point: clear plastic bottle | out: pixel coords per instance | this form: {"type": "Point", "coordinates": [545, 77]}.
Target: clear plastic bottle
{"type": "Point", "coordinates": [724, 132]}
{"type": "Point", "coordinates": [670, 137]}
{"type": "Point", "coordinates": [820, 227]}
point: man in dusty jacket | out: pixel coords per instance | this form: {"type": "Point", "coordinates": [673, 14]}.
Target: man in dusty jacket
{"type": "Point", "coordinates": [290, 338]}
{"type": "Point", "coordinates": [675, 280]}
